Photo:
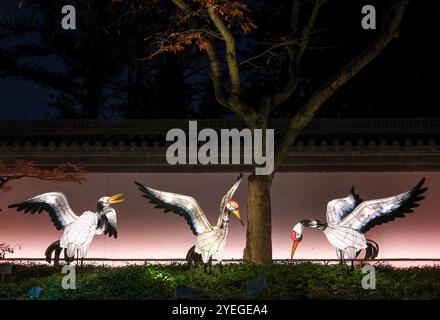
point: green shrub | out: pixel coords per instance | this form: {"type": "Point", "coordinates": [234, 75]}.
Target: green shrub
{"type": "Point", "coordinates": [306, 280]}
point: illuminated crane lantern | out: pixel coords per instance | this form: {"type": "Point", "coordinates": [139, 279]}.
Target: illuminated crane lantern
{"type": "Point", "coordinates": [348, 219]}
{"type": "Point", "coordinates": [210, 239]}
{"type": "Point", "coordinates": [78, 230]}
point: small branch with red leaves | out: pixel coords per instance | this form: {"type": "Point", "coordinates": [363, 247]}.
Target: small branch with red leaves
{"type": "Point", "coordinates": [6, 248]}
{"type": "Point", "coordinates": [67, 172]}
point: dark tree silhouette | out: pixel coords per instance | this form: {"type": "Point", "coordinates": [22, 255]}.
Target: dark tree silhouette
{"type": "Point", "coordinates": [100, 69]}
{"type": "Point", "coordinates": [76, 65]}
{"type": "Point", "coordinates": [24, 169]}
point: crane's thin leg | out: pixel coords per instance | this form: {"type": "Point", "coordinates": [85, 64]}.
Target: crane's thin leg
{"type": "Point", "coordinates": [67, 259]}
{"type": "Point", "coordinates": [82, 262]}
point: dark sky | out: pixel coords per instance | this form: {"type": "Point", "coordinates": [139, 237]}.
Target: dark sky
{"type": "Point", "coordinates": [401, 82]}
{"type": "Point", "coordinates": [23, 100]}
{"type": "Point", "coordinates": [148, 232]}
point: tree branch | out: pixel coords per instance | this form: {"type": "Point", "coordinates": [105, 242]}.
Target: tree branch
{"type": "Point", "coordinates": [67, 172]}
{"type": "Point", "coordinates": [233, 102]}
{"type": "Point", "coordinates": [3, 181]}
{"type": "Point", "coordinates": [271, 101]}
{"type": "Point", "coordinates": [236, 105]}
{"type": "Point", "coordinates": [294, 17]}
{"type": "Point", "coordinates": [308, 111]}
{"type": "Point", "coordinates": [215, 64]}
{"type": "Point", "coordinates": [231, 56]}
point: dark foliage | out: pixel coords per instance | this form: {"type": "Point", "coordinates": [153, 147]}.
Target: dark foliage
{"type": "Point", "coordinates": [102, 70]}
{"type": "Point", "coordinates": [310, 281]}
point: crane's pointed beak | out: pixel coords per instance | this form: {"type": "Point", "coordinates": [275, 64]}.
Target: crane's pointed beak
{"type": "Point", "coordinates": [295, 244]}
{"type": "Point", "coordinates": [114, 199]}
{"type": "Point", "coordinates": [237, 214]}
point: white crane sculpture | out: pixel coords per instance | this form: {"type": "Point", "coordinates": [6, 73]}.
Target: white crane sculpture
{"type": "Point", "coordinates": [78, 230]}
{"type": "Point", "coordinates": [348, 219]}
{"type": "Point", "coordinates": [210, 239]}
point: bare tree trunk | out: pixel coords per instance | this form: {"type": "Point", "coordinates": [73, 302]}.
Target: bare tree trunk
{"type": "Point", "coordinates": [259, 225]}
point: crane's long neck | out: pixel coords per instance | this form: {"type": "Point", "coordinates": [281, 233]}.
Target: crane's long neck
{"type": "Point", "coordinates": [312, 223]}
{"type": "Point", "coordinates": [223, 220]}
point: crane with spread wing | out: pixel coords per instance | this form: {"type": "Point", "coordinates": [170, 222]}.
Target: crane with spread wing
{"type": "Point", "coordinates": [210, 239]}
{"type": "Point", "coordinates": [349, 218]}
{"type": "Point", "coordinates": [78, 230]}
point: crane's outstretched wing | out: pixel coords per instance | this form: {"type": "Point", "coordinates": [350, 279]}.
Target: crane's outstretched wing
{"type": "Point", "coordinates": [180, 204]}
{"type": "Point", "coordinates": [338, 209]}
{"type": "Point", "coordinates": [55, 203]}
{"type": "Point", "coordinates": [373, 212]}
{"type": "Point", "coordinates": [227, 197]}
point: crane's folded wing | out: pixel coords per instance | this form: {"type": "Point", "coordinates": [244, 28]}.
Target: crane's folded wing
{"type": "Point", "coordinates": [55, 203]}
{"type": "Point", "coordinates": [338, 209]}
{"type": "Point", "coordinates": [183, 205]}
{"type": "Point", "coordinates": [111, 227]}
{"type": "Point", "coordinates": [374, 212]}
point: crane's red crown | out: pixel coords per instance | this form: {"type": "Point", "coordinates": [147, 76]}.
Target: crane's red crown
{"type": "Point", "coordinates": [233, 204]}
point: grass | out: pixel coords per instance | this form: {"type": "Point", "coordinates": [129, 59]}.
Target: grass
{"type": "Point", "coordinates": [300, 281]}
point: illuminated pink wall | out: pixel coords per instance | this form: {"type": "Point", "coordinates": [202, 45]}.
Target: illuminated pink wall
{"type": "Point", "coordinates": [148, 232]}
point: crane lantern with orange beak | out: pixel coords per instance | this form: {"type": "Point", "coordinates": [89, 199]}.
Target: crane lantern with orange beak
{"type": "Point", "coordinates": [349, 218]}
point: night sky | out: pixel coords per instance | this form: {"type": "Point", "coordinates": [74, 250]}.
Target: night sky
{"type": "Point", "coordinates": [23, 100]}
{"type": "Point", "coordinates": [401, 77]}
{"type": "Point", "coordinates": [148, 232]}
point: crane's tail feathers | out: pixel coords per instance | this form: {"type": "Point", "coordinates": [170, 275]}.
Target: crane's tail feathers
{"type": "Point", "coordinates": [372, 250]}
{"type": "Point", "coordinates": [53, 247]}
{"type": "Point", "coordinates": [194, 259]}
{"type": "Point", "coordinates": [191, 258]}
{"type": "Point", "coordinates": [55, 250]}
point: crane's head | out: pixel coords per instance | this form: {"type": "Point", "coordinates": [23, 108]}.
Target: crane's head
{"type": "Point", "coordinates": [108, 201]}
{"type": "Point", "coordinates": [232, 206]}
{"type": "Point", "coordinates": [297, 234]}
